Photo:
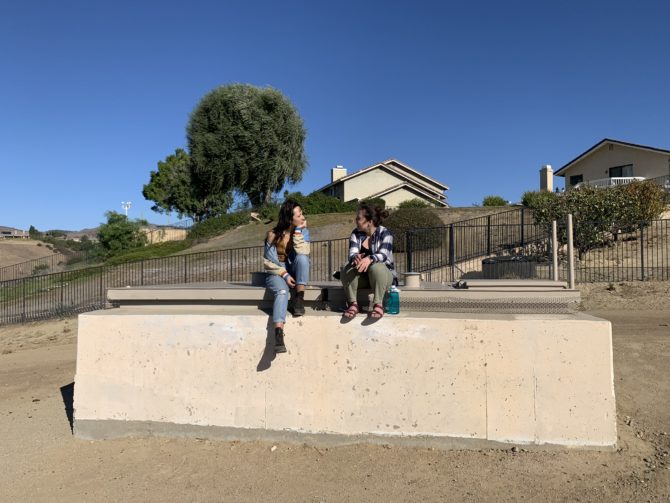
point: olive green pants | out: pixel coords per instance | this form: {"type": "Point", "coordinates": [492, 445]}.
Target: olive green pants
{"type": "Point", "coordinates": [378, 277]}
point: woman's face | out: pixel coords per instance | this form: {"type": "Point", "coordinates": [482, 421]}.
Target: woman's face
{"type": "Point", "coordinates": [361, 222]}
{"type": "Point", "coordinates": [298, 219]}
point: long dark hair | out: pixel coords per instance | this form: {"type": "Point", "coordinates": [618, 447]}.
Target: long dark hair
{"type": "Point", "coordinates": [373, 213]}
{"type": "Point", "coordinates": [285, 218]}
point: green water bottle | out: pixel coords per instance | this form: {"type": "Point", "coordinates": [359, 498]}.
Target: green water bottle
{"type": "Point", "coordinates": [393, 305]}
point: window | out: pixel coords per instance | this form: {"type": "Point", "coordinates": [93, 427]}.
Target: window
{"type": "Point", "coordinates": [575, 179]}
{"type": "Point", "coordinates": [621, 171]}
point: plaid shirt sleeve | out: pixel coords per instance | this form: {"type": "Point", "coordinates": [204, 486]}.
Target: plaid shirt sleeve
{"type": "Point", "coordinates": [384, 250]}
{"type": "Point", "coordinates": [354, 246]}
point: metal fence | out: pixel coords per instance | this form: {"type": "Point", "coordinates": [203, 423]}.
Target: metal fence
{"type": "Point", "coordinates": [494, 247]}
{"type": "Point", "coordinates": [637, 251]}
{"type": "Point", "coordinates": [39, 265]}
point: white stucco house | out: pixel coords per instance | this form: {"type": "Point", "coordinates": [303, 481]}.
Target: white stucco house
{"type": "Point", "coordinates": [391, 180]}
{"type": "Point", "coordinates": [613, 162]}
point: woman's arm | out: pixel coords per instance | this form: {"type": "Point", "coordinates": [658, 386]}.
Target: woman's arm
{"type": "Point", "coordinates": [354, 247]}
{"type": "Point", "coordinates": [301, 241]}
{"type": "Point", "coordinates": [384, 247]}
{"type": "Point", "coordinates": [271, 259]}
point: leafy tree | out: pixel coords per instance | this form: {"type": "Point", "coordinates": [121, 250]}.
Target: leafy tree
{"type": "Point", "coordinates": [247, 139]}
{"type": "Point", "coordinates": [120, 233]}
{"type": "Point", "coordinates": [494, 201]}
{"type": "Point", "coordinates": [34, 233]}
{"type": "Point", "coordinates": [174, 187]}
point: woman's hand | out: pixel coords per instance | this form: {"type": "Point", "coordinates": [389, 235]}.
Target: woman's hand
{"type": "Point", "coordinates": [290, 281]}
{"type": "Point", "coordinates": [357, 259]}
{"type": "Point", "coordinates": [363, 264]}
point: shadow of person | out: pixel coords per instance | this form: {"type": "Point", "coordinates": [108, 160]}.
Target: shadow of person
{"type": "Point", "coordinates": [67, 394]}
{"type": "Point", "coordinates": [269, 354]}
{"type": "Point", "coordinates": [369, 320]}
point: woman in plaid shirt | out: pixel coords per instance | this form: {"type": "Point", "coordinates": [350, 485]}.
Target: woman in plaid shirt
{"type": "Point", "coordinates": [370, 260]}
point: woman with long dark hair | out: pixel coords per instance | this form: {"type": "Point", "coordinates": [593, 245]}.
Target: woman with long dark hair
{"type": "Point", "coordinates": [370, 260]}
{"type": "Point", "coordinates": [286, 260]}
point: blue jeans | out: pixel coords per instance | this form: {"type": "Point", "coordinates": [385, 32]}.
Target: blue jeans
{"type": "Point", "coordinates": [298, 268]}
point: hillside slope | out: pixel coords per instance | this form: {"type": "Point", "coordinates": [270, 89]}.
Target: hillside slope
{"type": "Point", "coordinates": [14, 251]}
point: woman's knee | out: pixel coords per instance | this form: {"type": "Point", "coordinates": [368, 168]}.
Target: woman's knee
{"type": "Point", "coordinates": [301, 261]}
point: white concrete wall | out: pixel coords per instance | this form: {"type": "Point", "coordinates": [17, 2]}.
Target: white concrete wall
{"type": "Point", "coordinates": [596, 165]}
{"type": "Point", "coordinates": [529, 379]}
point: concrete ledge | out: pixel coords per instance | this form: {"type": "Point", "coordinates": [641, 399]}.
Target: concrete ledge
{"type": "Point", "coordinates": [507, 297]}
{"type": "Point", "coordinates": [421, 378]}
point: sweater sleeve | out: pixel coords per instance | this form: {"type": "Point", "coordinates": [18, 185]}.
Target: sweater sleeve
{"type": "Point", "coordinates": [271, 260]}
{"type": "Point", "coordinates": [301, 241]}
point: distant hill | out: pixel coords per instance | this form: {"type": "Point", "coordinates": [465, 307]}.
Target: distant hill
{"type": "Point", "coordinates": [15, 251]}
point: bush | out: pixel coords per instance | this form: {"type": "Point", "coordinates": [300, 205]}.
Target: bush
{"type": "Point", "coordinates": [39, 268]}
{"type": "Point", "coordinates": [374, 202]}
{"type": "Point", "coordinates": [414, 203]}
{"type": "Point", "coordinates": [318, 202]}
{"type": "Point", "coordinates": [494, 201]}
{"type": "Point", "coordinates": [120, 233]}
{"type": "Point", "coordinates": [426, 227]}
{"type": "Point", "coordinates": [216, 226]}
{"type": "Point", "coordinates": [598, 214]}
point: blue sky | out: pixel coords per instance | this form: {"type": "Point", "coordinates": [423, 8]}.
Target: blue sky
{"type": "Point", "coordinates": [476, 95]}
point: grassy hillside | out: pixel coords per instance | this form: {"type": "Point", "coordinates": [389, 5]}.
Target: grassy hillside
{"type": "Point", "coordinates": [15, 251]}
{"type": "Point", "coordinates": [322, 227]}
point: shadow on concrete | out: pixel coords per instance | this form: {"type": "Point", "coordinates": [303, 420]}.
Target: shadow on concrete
{"type": "Point", "coordinates": [369, 320]}
{"type": "Point", "coordinates": [67, 393]}
{"type": "Point", "coordinates": [269, 352]}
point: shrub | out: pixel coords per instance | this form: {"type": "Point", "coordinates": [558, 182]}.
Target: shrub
{"type": "Point", "coordinates": [120, 233]}
{"type": "Point", "coordinates": [39, 268]}
{"type": "Point", "coordinates": [494, 201]}
{"type": "Point", "coordinates": [414, 203]}
{"type": "Point", "coordinates": [426, 227]}
{"type": "Point", "coordinates": [318, 202]}
{"type": "Point", "coordinates": [215, 226]}
{"type": "Point", "coordinates": [374, 202]}
{"type": "Point", "coordinates": [598, 214]}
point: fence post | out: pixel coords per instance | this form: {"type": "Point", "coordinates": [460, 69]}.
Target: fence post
{"type": "Point", "coordinates": [523, 212]}
{"type": "Point", "coordinates": [488, 235]}
{"type": "Point", "coordinates": [102, 294]}
{"type": "Point", "coordinates": [571, 255]}
{"type": "Point", "coordinates": [142, 272]}
{"type": "Point", "coordinates": [23, 315]}
{"type": "Point", "coordinates": [452, 252]}
{"type": "Point", "coordinates": [408, 251]}
{"type": "Point", "coordinates": [330, 259]}
{"type": "Point", "coordinates": [185, 274]}
{"type": "Point", "coordinates": [554, 251]}
{"type": "Point", "coordinates": [642, 251]}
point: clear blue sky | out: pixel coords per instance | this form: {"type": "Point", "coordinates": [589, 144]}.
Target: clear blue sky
{"type": "Point", "coordinates": [477, 95]}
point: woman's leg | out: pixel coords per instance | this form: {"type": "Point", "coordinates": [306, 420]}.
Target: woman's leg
{"type": "Point", "coordinates": [351, 279]}
{"type": "Point", "coordinates": [279, 288]}
{"type": "Point", "coordinates": [380, 281]}
{"type": "Point", "coordinates": [299, 269]}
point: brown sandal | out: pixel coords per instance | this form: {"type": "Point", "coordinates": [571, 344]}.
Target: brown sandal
{"type": "Point", "coordinates": [377, 311]}
{"type": "Point", "coordinates": [352, 311]}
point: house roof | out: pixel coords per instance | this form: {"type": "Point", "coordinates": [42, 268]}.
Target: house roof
{"type": "Point", "coordinates": [392, 165]}
{"type": "Point", "coordinates": [604, 142]}
{"type": "Point", "coordinates": [410, 187]}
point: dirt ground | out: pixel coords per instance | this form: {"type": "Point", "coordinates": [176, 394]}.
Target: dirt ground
{"type": "Point", "coordinates": [40, 460]}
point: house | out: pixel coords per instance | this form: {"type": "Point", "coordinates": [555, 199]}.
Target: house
{"type": "Point", "coordinates": [11, 232]}
{"type": "Point", "coordinates": [613, 162]}
{"type": "Point", "coordinates": [391, 180]}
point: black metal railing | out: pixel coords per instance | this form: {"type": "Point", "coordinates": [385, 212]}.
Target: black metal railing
{"type": "Point", "coordinates": [478, 248]}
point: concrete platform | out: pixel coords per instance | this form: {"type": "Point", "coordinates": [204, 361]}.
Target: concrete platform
{"type": "Point", "coordinates": [481, 296]}
{"type": "Point", "coordinates": [418, 378]}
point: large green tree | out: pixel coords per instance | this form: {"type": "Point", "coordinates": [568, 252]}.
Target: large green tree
{"type": "Point", "coordinates": [246, 139]}
{"type": "Point", "coordinates": [120, 233]}
{"type": "Point", "coordinates": [175, 187]}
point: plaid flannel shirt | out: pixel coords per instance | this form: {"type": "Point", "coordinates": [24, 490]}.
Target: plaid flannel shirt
{"type": "Point", "coordinates": [381, 246]}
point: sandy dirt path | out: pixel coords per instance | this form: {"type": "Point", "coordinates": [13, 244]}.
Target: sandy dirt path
{"type": "Point", "coordinates": [40, 460]}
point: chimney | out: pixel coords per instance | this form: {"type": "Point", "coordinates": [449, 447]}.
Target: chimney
{"type": "Point", "coordinates": [547, 178]}
{"type": "Point", "coordinates": [337, 172]}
